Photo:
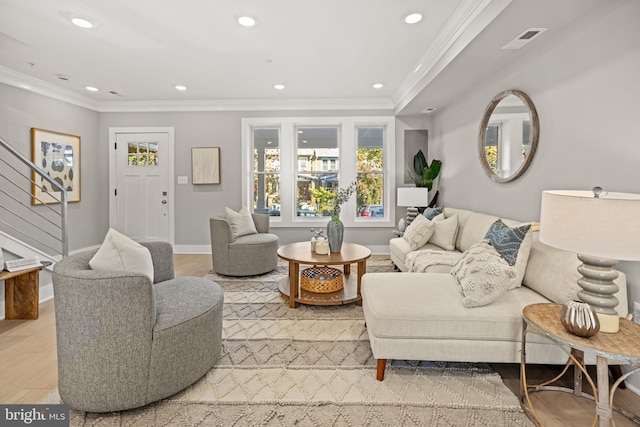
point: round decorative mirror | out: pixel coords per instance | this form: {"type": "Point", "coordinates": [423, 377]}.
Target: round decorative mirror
{"type": "Point", "coordinates": [508, 135]}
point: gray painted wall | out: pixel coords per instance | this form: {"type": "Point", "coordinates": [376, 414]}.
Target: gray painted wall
{"type": "Point", "coordinates": [21, 110]}
{"type": "Point", "coordinates": [586, 90]}
{"type": "Point", "coordinates": [196, 203]}
{"type": "Point", "coordinates": [89, 219]}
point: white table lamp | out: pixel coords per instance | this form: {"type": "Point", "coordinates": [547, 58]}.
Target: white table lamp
{"type": "Point", "coordinates": [413, 198]}
{"type": "Point", "coordinates": [603, 228]}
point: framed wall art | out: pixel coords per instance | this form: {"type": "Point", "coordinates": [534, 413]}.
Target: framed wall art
{"type": "Point", "coordinates": [205, 165]}
{"type": "Point", "coordinates": [58, 154]}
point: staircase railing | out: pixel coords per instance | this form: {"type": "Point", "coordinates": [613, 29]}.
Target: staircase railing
{"type": "Point", "coordinates": [42, 224]}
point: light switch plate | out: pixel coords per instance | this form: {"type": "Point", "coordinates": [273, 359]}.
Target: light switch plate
{"type": "Point", "coordinates": [183, 180]}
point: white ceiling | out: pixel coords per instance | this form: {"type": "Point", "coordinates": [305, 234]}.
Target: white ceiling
{"type": "Point", "coordinates": [326, 52]}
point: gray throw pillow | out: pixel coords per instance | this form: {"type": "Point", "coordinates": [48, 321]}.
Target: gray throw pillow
{"type": "Point", "coordinates": [431, 213]}
{"type": "Point", "coordinates": [507, 240]}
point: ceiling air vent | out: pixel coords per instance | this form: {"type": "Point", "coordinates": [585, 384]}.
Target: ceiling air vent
{"type": "Point", "coordinates": [525, 37]}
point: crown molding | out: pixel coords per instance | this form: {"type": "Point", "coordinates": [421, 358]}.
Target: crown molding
{"type": "Point", "coordinates": [32, 84]}
{"type": "Point", "coordinates": [248, 105]}
{"type": "Point", "coordinates": [469, 19]}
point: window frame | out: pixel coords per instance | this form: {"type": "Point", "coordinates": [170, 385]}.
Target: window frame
{"type": "Point", "coordinates": [347, 128]}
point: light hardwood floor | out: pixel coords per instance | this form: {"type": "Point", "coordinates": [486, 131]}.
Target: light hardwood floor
{"type": "Point", "coordinates": [28, 370]}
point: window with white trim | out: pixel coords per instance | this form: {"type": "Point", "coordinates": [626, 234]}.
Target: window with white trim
{"type": "Point", "coordinates": [265, 158]}
{"type": "Point", "coordinates": [292, 167]}
{"type": "Point", "coordinates": [371, 172]}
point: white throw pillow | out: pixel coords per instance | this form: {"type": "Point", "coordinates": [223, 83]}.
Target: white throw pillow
{"type": "Point", "coordinates": [241, 222]}
{"type": "Point", "coordinates": [120, 253]}
{"type": "Point", "coordinates": [483, 275]}
{"type": "Point", "coordinates": [418, 232]}
{"type": "Point", "coordinates": [445, 232]}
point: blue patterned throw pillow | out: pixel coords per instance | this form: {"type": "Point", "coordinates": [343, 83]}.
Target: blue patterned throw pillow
{"type": "Point", "coordinates": [507, 239]}
{"type": "Point", "coordinates": [431, 213]}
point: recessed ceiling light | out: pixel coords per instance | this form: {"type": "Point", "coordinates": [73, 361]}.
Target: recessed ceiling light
{"type": "Point", "coordinates": [247, 21]}
{"type": "Point", "coordinates": [378, 85]}
{"type": "Point", "coordinates": [181, 87]}
{"type": "Point", "coordinates": [91, 88]}
{"type": "Point", "coordinates": [413, 18]}
{"type": "Point", "coordinates": [82, 23]}
{"type": "Point", "coordinates": [278, 87]}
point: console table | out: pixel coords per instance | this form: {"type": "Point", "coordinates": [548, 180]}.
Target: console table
{"type": "Point", "coordinates": [623, 346]}
{"type": "Point", "coordinates": [21, 293]}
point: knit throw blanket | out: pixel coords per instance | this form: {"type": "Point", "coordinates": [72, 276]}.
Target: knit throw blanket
{"type": "Point", "coordinates": [421, 261]}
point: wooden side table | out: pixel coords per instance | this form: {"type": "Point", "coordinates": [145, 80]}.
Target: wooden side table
{"type": "Point", "coordinates": [21, 293]}
{"type": "Point", "coordinates": [623, 346]}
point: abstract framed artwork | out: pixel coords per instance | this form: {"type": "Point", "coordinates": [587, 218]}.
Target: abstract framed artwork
{"type": "Point", "coordinates": [205, 165]}
{"type": "Point", "coordinates": [58, 155]}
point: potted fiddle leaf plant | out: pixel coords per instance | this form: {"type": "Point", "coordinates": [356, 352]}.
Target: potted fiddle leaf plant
{"type": "Point", "coordinates": [424, 174]}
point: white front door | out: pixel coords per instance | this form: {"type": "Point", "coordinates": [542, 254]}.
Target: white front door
{"type": "Point", "coordinates": [142, 193]}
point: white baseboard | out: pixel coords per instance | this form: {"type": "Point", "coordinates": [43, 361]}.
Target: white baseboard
{"type": "Point", "coordinates": [192, 249]}
{"type": "Point", "coordinates": [206, 249]}
{"type": "Point", "coordinates": [379, 249]}
{"type": "Point", "coordinates": [633, 381]}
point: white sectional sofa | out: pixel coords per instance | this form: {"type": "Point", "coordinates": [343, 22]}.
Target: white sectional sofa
{"type": "Point", "coordinates": [421, 316]}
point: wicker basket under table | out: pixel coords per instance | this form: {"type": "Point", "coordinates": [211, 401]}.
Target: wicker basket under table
{"type": "Point", "coordinates": [321, 280]}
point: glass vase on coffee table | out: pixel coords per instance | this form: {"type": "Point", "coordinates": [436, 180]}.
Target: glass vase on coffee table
{"type": "Point", "coordinates": [335, 234]}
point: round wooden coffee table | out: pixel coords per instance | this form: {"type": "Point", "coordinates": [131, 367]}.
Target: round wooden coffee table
{"type": "Point", "coordinates": [300, 253]}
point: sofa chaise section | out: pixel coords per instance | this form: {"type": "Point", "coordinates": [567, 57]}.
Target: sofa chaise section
{"type": "Point", "coordinates": [420, 316]}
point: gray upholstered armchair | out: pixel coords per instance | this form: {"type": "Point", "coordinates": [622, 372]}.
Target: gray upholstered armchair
{"type": "Point", "coordinates": [124, 342]}
{"type": "Point", "coordinates": [246, 255]}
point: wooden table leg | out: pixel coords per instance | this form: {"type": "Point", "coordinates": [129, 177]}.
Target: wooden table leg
{"type": "Point", "coordinates": [362, 269]}
{"type": "Point", "coordinates": [577, 372]}
{"type": "Point", "coordinates": [294, 275]}
{"type": "Point", "coordinates": [603, 408]}
{"type": "Point", "coordinates": [347, 269]}
{"type": "Point", "coordinates": [21, 296]}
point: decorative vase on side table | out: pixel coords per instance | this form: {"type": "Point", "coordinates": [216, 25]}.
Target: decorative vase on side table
{"type": "Point", "coordinates": [335, 234]}
{"type": "Point", "coordinates": [335, 227]}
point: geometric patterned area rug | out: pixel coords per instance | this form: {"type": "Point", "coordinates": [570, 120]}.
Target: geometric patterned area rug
{"type": "Point", "coordinates": [312, 366]}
